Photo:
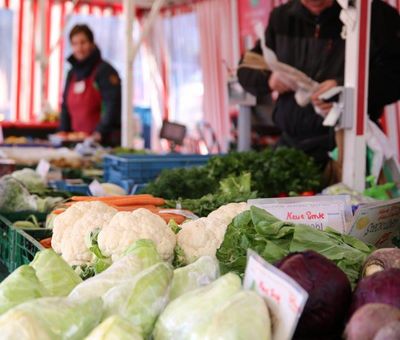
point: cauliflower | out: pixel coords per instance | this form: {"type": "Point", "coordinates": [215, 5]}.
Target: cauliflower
{"type": "Point", "coordinates": [73, 227]}
{"type": "Point", "coordinates": [228, 212]}
{"type": "Point", "coordinates": [204, 236]}
{"type": "Point", "coordinates": [66, 219]}
{"type": "Point", "coordinates": [127, 227]}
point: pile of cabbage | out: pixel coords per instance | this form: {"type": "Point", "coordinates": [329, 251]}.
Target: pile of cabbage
{"type": "Point", "coordinates": [137, 297]}
{"type": "Point", "coordinates": [21, 191]}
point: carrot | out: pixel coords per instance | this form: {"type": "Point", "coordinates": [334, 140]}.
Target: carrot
{"type": "Point", "coordinates": [107, 198]}
{"type": "Point", "coordinates": [58, 211]}
{"type": "Point", "coordinates": [177, 218]}
{"type": "Point", "coordinates": [132, 200]}
{"type": "Point", "coordinates": [152, 208]}
{"type": "Point", "coordinates": [46, 243]}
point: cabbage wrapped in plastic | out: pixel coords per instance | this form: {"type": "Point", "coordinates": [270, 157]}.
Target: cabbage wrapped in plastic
{"type": "Point", "coordinates": [51, 318]}
{"type": "Point", "coordinates": [115, 328]}
{"type": "Point", "coordinates": [244, 316]}
{"type": "Point", "coordinates": [14, 197]}
{"type": "Point", "coordinates": [141, 255]}
{"type": "Point", "coordinates": [54, 273]}
{"type": "Point", "coordinates": [20, 286]}
{"type": "Point", "coordinates": [30, 179]}
{"type": "Point", "coordinates": [200, 273]}
{"type": "Point", "coordinates": [142, 299]}
{"type": "Point", "coordinates": [192, 312]}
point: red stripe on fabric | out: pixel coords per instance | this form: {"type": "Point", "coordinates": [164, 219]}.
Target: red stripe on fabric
{"type": "Point", "coordinates": [7, 3]}
{"type": "Point", "coordinates": [398, 126]}
{"type": "Point", "coordinates": [19, 59]}
{"type": "Point", "coordinates": [384, 122]}
{"type": "Point", "coordinates": [362, 63]}
{"type": "Point", "coordinates": [33, 55]}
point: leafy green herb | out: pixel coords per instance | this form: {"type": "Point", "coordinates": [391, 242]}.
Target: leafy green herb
{"type": "Point", "coordinates": [274, 239]}
{"type": "Point", "coordinates": [185, 183]}
{"type": "Point", "coordinates": [231, 190]}
{"type": "Point", "coordinates": [272, 172]}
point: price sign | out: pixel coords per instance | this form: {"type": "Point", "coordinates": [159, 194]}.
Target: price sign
{"type": "Point", "coordinates": [378, 223]}
{"type": "Point", "coordinates": [43, 168]}
{"type": "Point", "coordinates": [305, 210]}
{"type": "Point", "coordinates": [284, 296]}
{"type": "Point", "coordinates": [96, 189]}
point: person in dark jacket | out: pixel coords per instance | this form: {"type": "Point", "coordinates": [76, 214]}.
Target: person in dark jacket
{"type": "Point", "coordinates": [92, 95]}
{"type": "Point", "coordinates": [306, 34]}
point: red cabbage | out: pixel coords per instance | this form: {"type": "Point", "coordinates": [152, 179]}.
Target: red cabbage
{"type": "Point", "coordinates": [381, 287]}
{"type": "Point", "coordinates": [329, 294]}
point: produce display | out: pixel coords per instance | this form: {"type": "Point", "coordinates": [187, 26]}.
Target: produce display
{"type": "Point", "coordinates": [271, 173]}
{"type": "Point", "coordinates": [170, 263]}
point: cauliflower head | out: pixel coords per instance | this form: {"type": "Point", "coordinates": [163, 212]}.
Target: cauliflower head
{"type": "Point", "coordinates": [127, 227]}
{"type": "Point", "coordinates": [228, 212]}
{"type": "Point", "coordinates": [73, 227]}
{"type": "Point", "coordinates": [64, 220]}
{"type": "Point", "coordinates": [204, 236]}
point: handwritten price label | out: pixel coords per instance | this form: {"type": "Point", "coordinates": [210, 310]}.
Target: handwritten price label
{"type": "Point", "coordinates": [316, 214]}
{"type": "Point", "coordinates": [285, 297]}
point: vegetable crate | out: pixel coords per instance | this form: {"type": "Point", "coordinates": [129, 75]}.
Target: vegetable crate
{"type": "Point", "coordinates": [17, 246]}
{"type": "Point", "coordinates": [144, 168]}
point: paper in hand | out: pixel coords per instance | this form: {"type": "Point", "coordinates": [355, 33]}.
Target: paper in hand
{"type": "Point", "coordinates": [299, 82]}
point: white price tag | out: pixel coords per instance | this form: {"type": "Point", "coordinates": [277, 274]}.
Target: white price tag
{"type": "Point", "coordinates": [313, 211]}
{"type": "Point", "coordinates": [96, 189]}
{"type": "Point", "coordinates": [43, 168]}
{"type": "Point", "coordinates": [284, 296]}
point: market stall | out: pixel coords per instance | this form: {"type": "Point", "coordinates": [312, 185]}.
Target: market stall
{"type": "Point", "coordinates": [100, 242]}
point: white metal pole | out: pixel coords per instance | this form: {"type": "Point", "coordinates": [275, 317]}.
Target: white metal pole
{"type": "Point", "coordinates": [155, 10]}
{"type": "Point", "coordinates": [356, 77]}
{"type": "Point", "coordinates": [127, 85]}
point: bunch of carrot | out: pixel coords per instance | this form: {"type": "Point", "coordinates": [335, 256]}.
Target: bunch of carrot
{"type": "Point", "coordinates": [129, 203]}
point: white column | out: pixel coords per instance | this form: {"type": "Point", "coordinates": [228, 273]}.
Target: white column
{"type": "Point", "coordinates": [127, 84]}
{"type": "Point", "coordinates": [356, 77]}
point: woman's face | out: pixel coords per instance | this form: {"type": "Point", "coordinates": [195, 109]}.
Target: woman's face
{"type": "Point", "coordinates": [81, 46]}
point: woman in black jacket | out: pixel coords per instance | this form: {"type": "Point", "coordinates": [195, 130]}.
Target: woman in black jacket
{"type": "Point", "coordinates": [92, 95]}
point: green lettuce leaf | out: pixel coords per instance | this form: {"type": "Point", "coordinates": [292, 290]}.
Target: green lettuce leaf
{"type": "Point", "coordinates": [142, 299]}
{"type": "Point", "coordinates": [273, 239]}
{"type": "Point", "coordinates": [141, 255]}
{"type": "Point", "coordinates": [115, 328]}
{"type": "Point", "coordinates": [200, 273]}
{"type": "Point", "coordinates": [192, 312]}
{"type": "Point", "coordinates": [54, 273]}
{"type": "Point", "coordinates": [244, 316]}
{"type": "Point", "coordinates": [51, 318]}
{"type": "Point", "coordinates": [20, 286]}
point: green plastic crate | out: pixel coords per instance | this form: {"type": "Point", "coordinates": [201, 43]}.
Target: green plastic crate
{"type": "Point", "coordinates": [26, 245]}
{"type": "Point", "coordinates": [17, 246]}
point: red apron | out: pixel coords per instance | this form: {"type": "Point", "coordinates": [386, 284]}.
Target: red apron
{"type": "Point", "coordinates": [84, 104]}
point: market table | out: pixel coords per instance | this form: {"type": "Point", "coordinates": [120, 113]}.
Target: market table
{"type": "Point", "coordinates": [34, 130]}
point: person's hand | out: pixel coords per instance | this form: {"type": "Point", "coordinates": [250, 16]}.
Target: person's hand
{"type": "Point", "coordinates": [323, 87]}
{"type": "Point", "coordinates": [277, 85]}
{"type": "Point", "coordinates": [95, 137]}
